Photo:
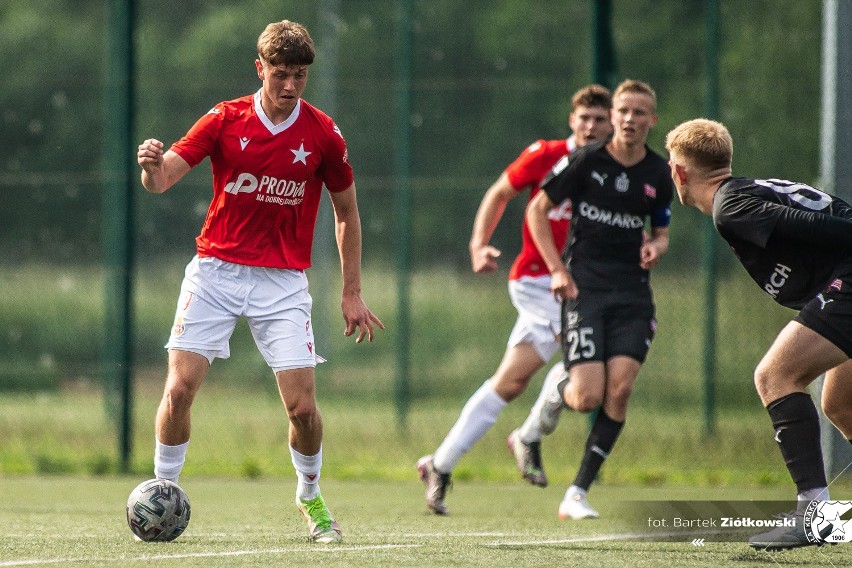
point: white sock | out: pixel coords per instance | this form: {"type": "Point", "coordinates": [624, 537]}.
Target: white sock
{"type": "Point", "coordinates": [815, 494]}
{"type": "Point", "coordinates": [169, 460]}
{"type": "Point", "coordinates": [544, 414]}
{"type": "Point", "coordinates": [478, 415]}
{"type": "Point", "coordinates": [307, 473]}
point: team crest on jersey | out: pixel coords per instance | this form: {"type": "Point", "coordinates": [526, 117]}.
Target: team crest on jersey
{"type": "Point", "coordinates": [622, 184]}
{"type": "Point", "coordinates": [300, 154]}
{"type": "Point", "coordinates": [179, 327]}
{"type": "Point", "coordinates": [572, 319]}
{"type": "Point", "coordinates": [650, 191]}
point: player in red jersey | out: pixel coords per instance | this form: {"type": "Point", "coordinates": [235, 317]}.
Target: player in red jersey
{"type": "Point", "coordinates": [535, 337]}
{"type": "Point", "coordinates": [271, 153]}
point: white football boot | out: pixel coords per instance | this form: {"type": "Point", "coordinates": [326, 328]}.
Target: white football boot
{"type": "Point", "coordinates": [575, 506]}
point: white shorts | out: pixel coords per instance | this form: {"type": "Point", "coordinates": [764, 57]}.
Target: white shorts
{"type": "Point", "coordinates": [275, 302]}
{"type": "Point", "coordinates": [539, 315]}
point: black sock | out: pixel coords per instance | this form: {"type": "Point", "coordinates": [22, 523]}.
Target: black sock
{"type": "Point", "coordinates": [796, 424]}
{"type": "Point", "coordinates": [604, 433]}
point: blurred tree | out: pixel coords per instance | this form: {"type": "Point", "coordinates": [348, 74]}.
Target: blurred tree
{"type": "Point", "coordinates": [490, 77]}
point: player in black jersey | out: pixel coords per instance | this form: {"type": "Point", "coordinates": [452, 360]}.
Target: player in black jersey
{"type": "Point", "coordinates": [796, 242]}
{"type": "Point", "coordinates": [608, 310]}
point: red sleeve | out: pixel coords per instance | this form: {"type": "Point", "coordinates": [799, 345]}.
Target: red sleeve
{"type": "Point", "coordinates": [529, 167]}
{"type": "Point", "coordinates": [336, 171]}
{"type": "Point", "coordinates": [199, 142]}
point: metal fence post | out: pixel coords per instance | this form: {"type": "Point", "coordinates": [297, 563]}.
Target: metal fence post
{"type": "Point", "coordinates": [402, 170]}
{"type": "Point", "coordinates": [836, 134]}
{"type": "Point", "coordinates": [117, 224]}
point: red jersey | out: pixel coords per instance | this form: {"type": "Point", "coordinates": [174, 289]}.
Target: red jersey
{"type": "Point", "coordinates": [528, 170]}
{"type": "Point", "coordinates": [267, 180]}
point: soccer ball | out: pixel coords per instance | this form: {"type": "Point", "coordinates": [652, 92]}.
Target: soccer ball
{"type": "Point", "coordinates": [157, 510]}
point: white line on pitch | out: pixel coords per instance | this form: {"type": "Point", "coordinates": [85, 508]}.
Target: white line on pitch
{"type": "Point", "coordinates": [461, 534]}
{"type": "Point", "coordinates": [146, 557]}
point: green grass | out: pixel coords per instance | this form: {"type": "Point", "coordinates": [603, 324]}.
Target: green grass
{"type": "Point", "coordinates": [50, 332]}
{"type": "Point", "coordinates": [63, 503]}
{"type": "Point", "coordinates": [243, 433]}
{"type": "Point", "coordinates": [75, 521]}
{"type": "Point", "coordinates": [52, 327]}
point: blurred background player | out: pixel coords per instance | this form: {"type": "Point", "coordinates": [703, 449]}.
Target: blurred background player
{"type": "Point", "coordinates": [534, 338]}
{"type": "Point", "coordinates": [271, 153]}
{"type": "Point", "coordinates": [608, 309]}
{"type": "Point", "coordinates": [796, 243]}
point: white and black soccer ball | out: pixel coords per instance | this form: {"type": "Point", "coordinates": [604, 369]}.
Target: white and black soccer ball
{"type": "Point", "coordinates": [157, 510]}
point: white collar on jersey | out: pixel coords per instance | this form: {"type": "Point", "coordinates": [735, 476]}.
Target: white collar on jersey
{"type": "Point", "coordinates": [275, 128]}
{"type": "Point", "coordinates": [571, 143]}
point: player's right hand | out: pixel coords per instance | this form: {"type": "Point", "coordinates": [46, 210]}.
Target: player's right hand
{"type": "Point", "coordinates": [562, 285]}
{"type": "Point", "coordinates": [150, 154]}
{"type": "Point", "coordinates": [358, 317]}
{"type": "Point", "coordinates": [483, 259]}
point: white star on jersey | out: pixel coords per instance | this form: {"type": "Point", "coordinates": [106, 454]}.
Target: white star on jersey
{"type": "Point", "coordinates": [300, 155]}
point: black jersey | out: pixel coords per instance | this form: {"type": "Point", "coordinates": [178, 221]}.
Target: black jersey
{"type": "Point", "coordinates": [788, 236]}
{"type": "Point", "coordinates": [610, 205]}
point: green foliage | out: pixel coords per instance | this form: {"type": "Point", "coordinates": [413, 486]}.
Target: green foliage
{"type": "Point", "coordinates": [51, 330]}
{"type": "Point", "coordinates": [51, 326]}
{"type": "Point", "coordinates": [53, 464]}
{"type": "Point", "coordinates": [761, 132]}
{"type": "Point", "coordinates": [240, 432]}
{"type": "Point", "coordinates": [488, 78]}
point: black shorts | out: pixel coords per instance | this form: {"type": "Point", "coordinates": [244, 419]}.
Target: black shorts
{"type": "Point", "coordinates": [830, 312]}
{"type": "Point", "coordinates": [599, 325]}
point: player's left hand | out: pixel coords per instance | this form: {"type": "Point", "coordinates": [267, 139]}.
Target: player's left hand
{"type": "Point", "coordinates": [649, 255]}
{"type": "Point", "coordinates": [358, 316]}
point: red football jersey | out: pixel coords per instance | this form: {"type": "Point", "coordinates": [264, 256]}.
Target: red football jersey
{"type": "Point", "coordinates": [528, 170]}
{"type": "Point", "coordinates": [267, 180]}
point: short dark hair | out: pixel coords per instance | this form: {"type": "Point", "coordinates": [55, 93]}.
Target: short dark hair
{"type": "Point", "coordinates": [593, 95]}
{"type": "Point", "coordinates": [286, 43]}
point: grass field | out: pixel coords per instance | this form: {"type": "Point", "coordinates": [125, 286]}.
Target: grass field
{"type": "Point", "coordinates": [62, 500]}
{"type": "Point", "coordinates": [243, 433]}
{"type": "Point", "coordinates": [52, 326]}
{"type": "Point", "coordinates": [74, 521]}
{"type": "Point", "coordinates": [240, 482]}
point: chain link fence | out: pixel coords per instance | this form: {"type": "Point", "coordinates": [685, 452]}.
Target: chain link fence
{"type": "Point", "coordinates": [487, 80]}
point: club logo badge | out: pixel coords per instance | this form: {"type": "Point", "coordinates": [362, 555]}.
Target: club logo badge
{"type": "Point", "coordinates": [828, 521]}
